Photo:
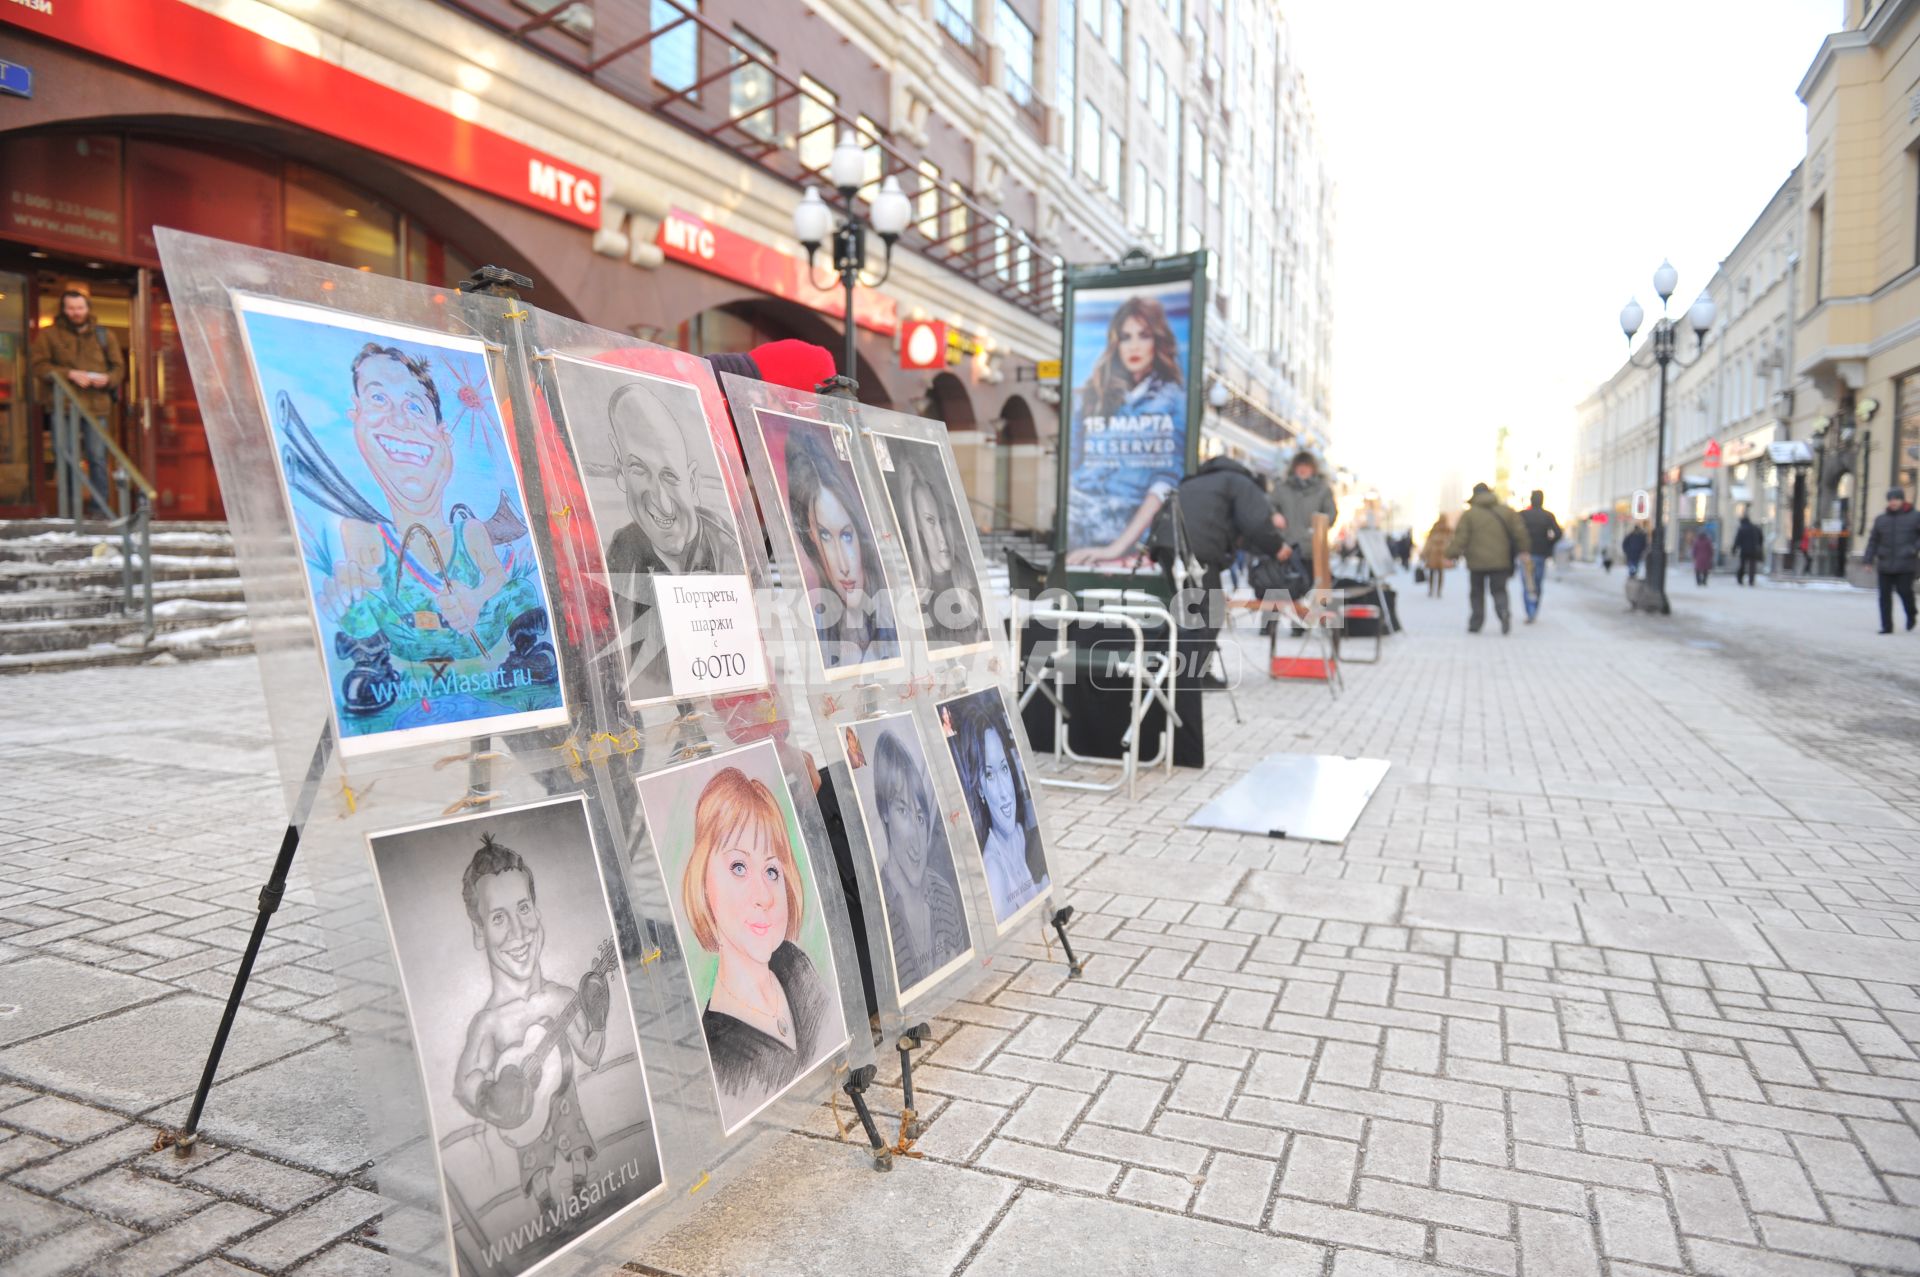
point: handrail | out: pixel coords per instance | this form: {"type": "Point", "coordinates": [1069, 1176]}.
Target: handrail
{"type": "Point", "coordinates": [133, 516]}
{"type": "Point", "coordinates": [94, 423]}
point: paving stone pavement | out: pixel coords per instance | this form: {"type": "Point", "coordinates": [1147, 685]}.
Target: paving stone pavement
{"type": "Point", "coordinates": [1617, 974]}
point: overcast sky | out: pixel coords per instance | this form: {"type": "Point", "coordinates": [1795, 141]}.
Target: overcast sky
{"type": "Point", "coordinates": [1509, 173]}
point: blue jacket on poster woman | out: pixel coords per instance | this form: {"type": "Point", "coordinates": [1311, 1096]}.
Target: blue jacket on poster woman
{"type": "Point", "coordinates": [1109, 482]}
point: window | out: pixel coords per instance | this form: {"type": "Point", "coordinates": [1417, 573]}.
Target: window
{"type": "Point", "coordinates": [1157, 95]}
{"type": "Point", "coordinates": [926, 209]}
{"type": "Point", "coordinates": [1137, 212]}
{"type": "Point", "coordinates": [676, 55]}
{"type": "Point", "coordinates": [1116, 29]}
{"type": "Point", "coordinates": [1817, 240]}
{"type": "Point", "coordinates": [1196, 149]}
{"type": "Point", "coordinates": [1065, 72]}
{"type": "Point", "coordinates": [1097, 18]}
{"type": "Point", "coordinates": [1002, 247]}
{"type": "Point", "coordinates": [956, 21]}
{"type": "Point", "coordinates": [751, 85]}
{"type": "Point", "coordinates": [1090, 129]}
{"type": "Point", "coordinates": [1015, 39]}
{"type": "Point", "coordinates": [956, 216]}
{"type": "Point", "coordinates": [1110, 167]}
{"type": "Point", "coordinates": [817, 130]}
{"type": "Point", "coordinates": [1190, 241]}
{"type": "Point", "coordinates": [1157, 214]}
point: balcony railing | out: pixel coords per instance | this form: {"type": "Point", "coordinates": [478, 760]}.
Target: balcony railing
{"type": "Point", "coordinates": [609, 42]}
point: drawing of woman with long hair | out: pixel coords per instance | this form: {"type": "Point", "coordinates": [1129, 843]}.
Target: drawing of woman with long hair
{"type": "Point", "coordinates": [1129, 437]}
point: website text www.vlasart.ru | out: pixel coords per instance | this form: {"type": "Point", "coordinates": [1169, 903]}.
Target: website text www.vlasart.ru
{"type": "Point", "coordinates": [577, 1204]}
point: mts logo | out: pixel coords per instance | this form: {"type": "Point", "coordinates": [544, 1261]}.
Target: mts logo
{"type": "Point", "coordinates": [562, 187]}
{"type": "Point", "coordinates": [687, 236]}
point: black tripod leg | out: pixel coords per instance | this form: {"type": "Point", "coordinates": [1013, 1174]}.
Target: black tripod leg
{"type": "Point", "coordinates": [188, 1135]}
{"type": "Point", "coordinates": [184, 1139]}
{"type": "Point", "coordinates": [856, 1089]}
{"type": "Point", "coordinates": [1061, 917]}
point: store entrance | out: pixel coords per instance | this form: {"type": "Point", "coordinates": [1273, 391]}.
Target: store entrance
{"type": "Point", "coordinates": [155, 420]}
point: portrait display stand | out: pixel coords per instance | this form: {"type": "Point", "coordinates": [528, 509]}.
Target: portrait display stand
{"type": "Point", "coordinates": [854, 577]}
{"type": "Point", "coordinates": [466, 772]}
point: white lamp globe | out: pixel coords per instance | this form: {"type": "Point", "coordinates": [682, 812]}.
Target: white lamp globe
{"type": "Point", "coordinates": [848, 167]}
{"type": "Point", "coordinates": [1217, 394]}
{"type": "Point", "coordinates": [1665, 280]}
{"type": "Point", "coordinates": [1630, 316]}
{"type": "Point", "coordinates": [812, 219]}
{"type": "Point", "coordinates": [891, 209]}
{"type": "Point", "coordinates": [1701, 314]}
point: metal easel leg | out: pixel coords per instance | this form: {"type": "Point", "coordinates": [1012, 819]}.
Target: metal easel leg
{"type": "Point", "coordinates": [909, 1039]}
{"type": "Point", "coordinates": [183, 1140]}
{"type": "Point", "coordinates": [856, 1089]}
{"type": "Point", "coordinates": [1059, 920]}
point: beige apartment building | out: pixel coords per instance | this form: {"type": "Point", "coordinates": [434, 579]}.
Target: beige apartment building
{"type": "Point", "coordinates": [641, 160]}
{"type": "Point", "coordinates": [1804, 406]}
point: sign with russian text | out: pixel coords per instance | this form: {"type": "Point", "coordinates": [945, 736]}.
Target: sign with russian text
{"type": "Point", "coordinates": [695, 242]}
{"type": "Point", "coordinates": [712, 634]}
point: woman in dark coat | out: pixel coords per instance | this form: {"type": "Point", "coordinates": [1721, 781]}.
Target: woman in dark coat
{"type": "Point", "coordinates": [1702, 556]}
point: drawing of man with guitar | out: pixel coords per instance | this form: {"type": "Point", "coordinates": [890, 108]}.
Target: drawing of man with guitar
{"type": "Point", "coordinates": [516, 1071]}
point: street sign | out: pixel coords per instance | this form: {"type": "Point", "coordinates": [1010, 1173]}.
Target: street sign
{"type": "Point", "coordinates": [1790, 452]}
{"type": "Point", "coordinates": [1711, 459]}
{"type": "Point", "coordinates": [15, 79]}
{"type": "Point", "coordinates": [1642, 504]}
{"type": "Point", "coordinates": [923, 344]}
{"type": "Point", "coordinates": [1047, 370]}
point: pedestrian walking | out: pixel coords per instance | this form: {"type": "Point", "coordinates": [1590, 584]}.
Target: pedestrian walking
{"type": "Point", "coordinates": [1893, 550]}
{"type": "Point", "coordinates": [75, 349]}
{"type": "Point", "coordinates": [1304, 493]}
{"type": "Point", "coordinates": [1606, 560]}
{"type": "Point", "coordinates": [1702, 556]}
{"type": "Point", "coordinates": [1634, 548]}
{"type": "Point", "coordinates": [1751, 546]}
{"type": "Point", "coordinates": [1433, 554]}
{"type": "Point", "coordinates": [1488, 536]}
{"type": "Point", "coordinates": [1543, 534]}
{"type": "Point", "coordinates": [1806, 551]}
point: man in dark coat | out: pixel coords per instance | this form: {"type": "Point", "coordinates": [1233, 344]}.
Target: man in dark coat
{"type": "Point", "coordinates": [1488, 536]}
{"type": "Point", "coordinates": [75, 349]}
{"type": "Point", "coordinates": [1543, 533]}
{"type": "Point", "coordinates": [1223, 509]}
{"type": "Point", "coordinates": [1893, 550]}
{"type": "Point", "coordinates": [1750, 545]}
{"type": "Point", "coordinates": [1634, 548]}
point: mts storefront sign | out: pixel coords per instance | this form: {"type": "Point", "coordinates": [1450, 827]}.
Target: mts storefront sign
{"type": "Point", "coordinates": [691, 240]}
{"type": "Point", "coordinates": [175, 41]}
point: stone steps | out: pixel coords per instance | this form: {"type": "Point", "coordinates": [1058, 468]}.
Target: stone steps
{"type": "Point", "coordinates": [61, 605]}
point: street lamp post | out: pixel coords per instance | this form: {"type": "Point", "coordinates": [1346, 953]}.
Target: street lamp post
{"type": "Point", "coordinates": [813, 222]}
{"type": "Point", "coordinates": [1661, 349]}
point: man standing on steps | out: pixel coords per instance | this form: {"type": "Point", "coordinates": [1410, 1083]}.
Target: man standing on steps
{"type": "Point", "coordinates": [1893, 550]}
{"type": "Point", "coordinates": [76, 350]}
{"type": "Point", "coordinates": [1543, 533]}
{"type": "Point", "coordinates": [1488, 537]}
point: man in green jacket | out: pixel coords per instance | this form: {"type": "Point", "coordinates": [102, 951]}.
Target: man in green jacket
{"type": "Point", "coordinates": [1489, 536]}
{"type": "Point", "coordinates": [76, 350]}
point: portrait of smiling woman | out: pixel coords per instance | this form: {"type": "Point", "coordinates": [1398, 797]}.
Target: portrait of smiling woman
{"type": "Point", "coordinates": [938, 556]}
{"type": "Point", "coordinates": [745, 909]}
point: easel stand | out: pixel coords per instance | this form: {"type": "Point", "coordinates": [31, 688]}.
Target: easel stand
{"type": "Point", "coordinates": [856, 1088]}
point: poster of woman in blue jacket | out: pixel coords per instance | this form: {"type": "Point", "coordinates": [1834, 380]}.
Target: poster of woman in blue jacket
{"type": "Point", "coordinates": [1129, 444]}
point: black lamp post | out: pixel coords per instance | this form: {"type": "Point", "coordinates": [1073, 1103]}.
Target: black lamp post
{"type": "Point", "coordinates": [1661, 352]}
{"type": "Point", "coordinates": [813, 222]}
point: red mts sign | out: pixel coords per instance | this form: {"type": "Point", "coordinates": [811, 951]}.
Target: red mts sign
{"type": "Point", "coordinates": [731, 255]}
{"type": "Point", "coordinates": [174, 41]}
